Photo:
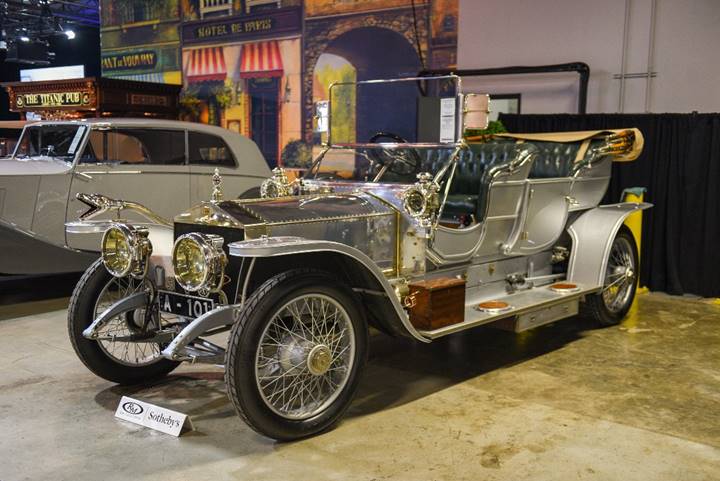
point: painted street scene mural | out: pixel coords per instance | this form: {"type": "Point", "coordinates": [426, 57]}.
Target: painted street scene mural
{"type": "Point", "coordinates": [263, 68]}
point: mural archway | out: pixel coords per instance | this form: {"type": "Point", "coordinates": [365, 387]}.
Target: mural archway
{"type": "Point", "coordinates": [377, 46]}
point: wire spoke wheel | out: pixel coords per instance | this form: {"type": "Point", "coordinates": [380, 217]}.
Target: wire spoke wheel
{"type": "Point", "coordinates": [620, 276]}
{"type": "Point", "coordinates": [111, 335]}
{"type": "Point", "coordinates": [124, 351]}
{"type": "Point", "coordinates": [305, 356]}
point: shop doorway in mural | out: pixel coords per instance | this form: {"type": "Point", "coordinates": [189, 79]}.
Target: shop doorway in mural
{"type": "Point", "coordinates": [330, 69]}
{"type": "Point", "coordinates": [365, 53]}
{"type": "Point", "coordinates": [264, 94]}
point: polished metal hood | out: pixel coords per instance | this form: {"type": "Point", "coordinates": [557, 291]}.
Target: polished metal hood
{"type": "Point", "coordinates": [315, 208]}
{"type": "Point", "coordinates": [358, 220]}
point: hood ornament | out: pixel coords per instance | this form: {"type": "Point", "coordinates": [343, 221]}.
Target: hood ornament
{"type": "Point", "coordinates": [99, 204]}
{"type": "Point", "coordinates": [276, 186]}
{"type": "Point", "coordinates": [217, 194]}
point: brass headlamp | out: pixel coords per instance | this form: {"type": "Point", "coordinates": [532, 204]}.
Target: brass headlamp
{"type": "Point", "coordinates": [199, 262]}
{"type": "Point", "coordinates": [276, 186]}
{"type": "Point", "coordinates": [422, 200]}
{"type": "Point", "coordinates": [125, 250]}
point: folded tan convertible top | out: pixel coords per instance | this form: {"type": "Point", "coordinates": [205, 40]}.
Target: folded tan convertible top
{"type": "Point", "coordinates": [584, 135]}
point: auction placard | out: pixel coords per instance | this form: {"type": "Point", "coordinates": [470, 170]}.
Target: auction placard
{"type": "Point", "coordinates": [150, 416]}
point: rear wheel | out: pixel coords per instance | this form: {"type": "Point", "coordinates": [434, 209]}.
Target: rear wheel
{"type": "Point", "coordinates": [110, 357]}
{"type": "Point", "coordinates": [609, 306]}
{"type": "Point", "coordinates": [295, 356]}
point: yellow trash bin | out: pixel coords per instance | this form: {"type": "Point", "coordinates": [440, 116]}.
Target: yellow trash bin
{"type": "Point", "coordinates": [634, 220]}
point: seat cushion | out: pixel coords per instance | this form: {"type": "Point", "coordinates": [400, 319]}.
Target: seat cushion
{"type": "Point", "coordinates": [554, 159]}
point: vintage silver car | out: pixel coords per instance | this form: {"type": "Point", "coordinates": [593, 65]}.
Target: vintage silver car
{"type": "Point", "coordinates": [162, 164]}
{"type": "Point", "coordinates": [421, 239]}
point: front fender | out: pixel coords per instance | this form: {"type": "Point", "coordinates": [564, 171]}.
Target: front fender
{"type": "Point", "coordinates": [282, 246]}
{"type": "Point", "coordinates": [161, 237]}
{"type": "Point", "coordinates": [592, 235]}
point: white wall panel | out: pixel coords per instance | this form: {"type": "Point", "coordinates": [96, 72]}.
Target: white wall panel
{"type": "Point", "coordinates": [497, 33]}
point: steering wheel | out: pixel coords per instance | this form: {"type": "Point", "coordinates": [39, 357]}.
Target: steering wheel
{"type": "Point", "coordinates": [400, 161]}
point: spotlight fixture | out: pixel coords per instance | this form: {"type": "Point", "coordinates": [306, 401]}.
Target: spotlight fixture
{"type": "Point", "coordinates": [27, 26]}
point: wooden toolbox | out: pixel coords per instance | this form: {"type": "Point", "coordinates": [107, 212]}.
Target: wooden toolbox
{"type": "Point", "coordinates": [436, 303]}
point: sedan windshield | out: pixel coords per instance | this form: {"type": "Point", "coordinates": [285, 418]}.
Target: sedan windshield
{"type": "Point", "coordinates": [46, 142]}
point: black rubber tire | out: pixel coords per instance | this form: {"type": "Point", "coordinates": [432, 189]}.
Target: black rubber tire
{"type": "Point", "coordinates": [240, 377]}
{"type": "Point", "coordinates": [594, 307]}
{"type": "Point", "coordinates": [80, 316]}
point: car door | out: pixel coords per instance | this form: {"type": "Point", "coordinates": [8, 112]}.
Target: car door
{"type": "Point", "coordinates": [207, 152]}
{"type": "Point", "coordinates": [143, 165]}
{"type": "Point", "coordinates": [543, 216]}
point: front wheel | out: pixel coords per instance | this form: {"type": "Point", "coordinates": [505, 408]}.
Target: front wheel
{"type": "Point", "coordinates": [110, 356]}
{"type": "Point", "coordinates": [295, 355]}
{"type": "Point", "coordinates": [609, 306]}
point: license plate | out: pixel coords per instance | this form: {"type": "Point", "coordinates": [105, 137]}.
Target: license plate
{"type": "Point", "coordinates": [184, 305]}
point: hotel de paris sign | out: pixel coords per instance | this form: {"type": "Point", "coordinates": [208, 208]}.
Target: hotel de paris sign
{"type": "Point", "coordinates": [269, 24]}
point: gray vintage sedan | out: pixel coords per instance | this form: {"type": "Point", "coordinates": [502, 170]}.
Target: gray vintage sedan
{"type": "Point", "coordinates": [163, 164]}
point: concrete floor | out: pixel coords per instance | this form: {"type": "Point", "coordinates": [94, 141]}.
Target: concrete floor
{"type": "Point", "coordinates": [636, 402]}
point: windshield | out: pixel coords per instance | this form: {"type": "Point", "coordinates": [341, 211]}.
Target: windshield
{"type": "Point", "coordinates": [385, 130]}
{"type": "Point", "coordinates": [389, 164]}
{"type": "Point", "coordinates": [45, 142]}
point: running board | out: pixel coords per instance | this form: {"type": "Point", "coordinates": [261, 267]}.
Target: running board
{"type": "Point", "coordinates": [525, 310]}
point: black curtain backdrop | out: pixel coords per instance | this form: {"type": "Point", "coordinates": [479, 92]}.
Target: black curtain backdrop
{"type": "Point", "coordinates": [680, 167]}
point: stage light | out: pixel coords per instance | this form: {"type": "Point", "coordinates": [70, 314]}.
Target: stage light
{"type": "Point", "coordinates": [70, 34]}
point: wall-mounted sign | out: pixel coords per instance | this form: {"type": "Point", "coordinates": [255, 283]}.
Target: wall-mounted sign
{"type": "Point", "coordinates": [129, 61]}
{"type": "Point", "coordinates": [287, 20]}
{"type": "Point", "coordinates": [142, 99]}
{"type": "Point", "coordinates": [92, 96]}
{"type": "Point", "coordinates": [52, 99]}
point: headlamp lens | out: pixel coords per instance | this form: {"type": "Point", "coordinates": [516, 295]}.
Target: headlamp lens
{"type": "Point", "coordinates": [189, 263]}
{"type": "Point", "coordinates": [116, 252]}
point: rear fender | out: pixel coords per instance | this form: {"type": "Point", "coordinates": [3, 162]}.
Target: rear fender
{"type": "Point", "coordinates": [592, 236]}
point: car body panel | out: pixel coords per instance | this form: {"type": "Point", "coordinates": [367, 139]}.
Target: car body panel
{"type": "Point", "coordinates": [590, 254]}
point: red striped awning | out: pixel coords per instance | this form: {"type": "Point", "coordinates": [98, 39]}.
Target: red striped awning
{"type": "Point", "coordinates": [261, 59]}
{"type": "Point", "coordinates": [206, 64]}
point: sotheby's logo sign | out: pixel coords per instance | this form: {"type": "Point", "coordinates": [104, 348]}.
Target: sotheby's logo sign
{"type": "Point", "coordinates": [150, 416]}
{"type": "Point", "coordinates": [131, 407]}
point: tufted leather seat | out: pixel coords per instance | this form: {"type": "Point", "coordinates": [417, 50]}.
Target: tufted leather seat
{"type": "Point", "coordinates": [468, 191]}
{"type": "Point", "coordinates": [555, 159]}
